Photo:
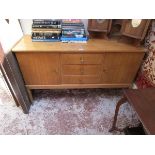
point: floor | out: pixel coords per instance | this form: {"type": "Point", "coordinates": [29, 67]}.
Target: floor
{"type": "Point", "coordinates": [71, 112]}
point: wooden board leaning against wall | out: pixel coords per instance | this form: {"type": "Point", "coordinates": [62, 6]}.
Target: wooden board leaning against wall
{"type": "Point", "coordinates": [14, 81]}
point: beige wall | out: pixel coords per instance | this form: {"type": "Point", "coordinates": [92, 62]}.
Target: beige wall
{"type": "Point", "coordinates": [9, 33]}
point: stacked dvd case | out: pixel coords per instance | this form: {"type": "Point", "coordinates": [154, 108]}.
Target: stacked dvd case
{"type": "Point", "coordinates": [73, 31]}
{"type": "Point", "coordinates": [46, 30]}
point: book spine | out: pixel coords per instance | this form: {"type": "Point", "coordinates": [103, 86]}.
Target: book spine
{"type": "Point", "coordinates": [46, 26]}
{"type": "Point", "coordinates": [46, 23]}
{"type": "Point", "coordinates": [74, 39]}
{"type": "Point", "coordinates": [45, 36]}
{"type": "Point", "coordinates": [46, 40]}
{"type": "Point", "coordinates": [73, 32]}
{"type": "Point", "coordinates": [53, 31]}
{"type": "Point", "coordinates": [40, 29]}
{"type": "Point", "coordinates": [73, 24]}
{"type": "Point", "coordinates": [74, 36]}
{"type": "Point", "coordinates": [73, 29]}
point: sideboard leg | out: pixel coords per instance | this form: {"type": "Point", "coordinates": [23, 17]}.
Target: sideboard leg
{"type": "Point", "coordinates": [120, 102]}
{"type": "Point", "coordinates": [30, 94]}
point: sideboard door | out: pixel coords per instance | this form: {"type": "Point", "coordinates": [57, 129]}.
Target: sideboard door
{"type": "Point", "coordinates": [120, 68]}
{"type": "Point", "coordinates": [39, 68]}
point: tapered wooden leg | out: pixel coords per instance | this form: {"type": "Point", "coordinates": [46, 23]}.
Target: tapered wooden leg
{"type": "Point", "coordinates": [120, 102]}
{"type": "Point", "coordinates": [30, 94]}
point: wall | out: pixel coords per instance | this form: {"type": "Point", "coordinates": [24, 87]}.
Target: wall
{"type": "Point", "coordinates": [27, 24]}
{"type": "Point", "coordinates": [9, 33]}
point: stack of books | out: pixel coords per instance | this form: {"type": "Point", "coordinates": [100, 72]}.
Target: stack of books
{"type": "Point", "coordinates": [46, 30]}
{"type": "Point", "coordinates": [73, 31]}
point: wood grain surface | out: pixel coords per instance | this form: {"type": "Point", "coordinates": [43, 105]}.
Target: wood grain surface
{"type": "Point", "coordinates": [143, 101]}
{"type": "Point", "coordinates": [93, 45]}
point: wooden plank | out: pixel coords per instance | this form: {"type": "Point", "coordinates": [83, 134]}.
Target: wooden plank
{"type": "Point", "coordinates": [11, 69]}
{"type": "Point", "coordinates": [14, 80]}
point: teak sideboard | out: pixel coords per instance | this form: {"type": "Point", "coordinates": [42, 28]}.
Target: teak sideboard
{"type": "Point", "coordinates": [96, 64]}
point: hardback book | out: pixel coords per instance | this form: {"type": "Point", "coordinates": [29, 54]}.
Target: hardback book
{"type": "Point", "coordinates": [46, 40]}
{"type": "Point", "coordinates": [64, 39]}
{"type": "Point", "coordinates": [46, 26]}
{"type": "Point", "coordinates": [50, 29]}
{"type": "Point", "coordinates": [46, 22]}
{"type": "Point", "coordinates": [64, 32]}
{"type": "Point", "coordinates": [73, 35]}
{"type": "Point", "coordinates": [71, 21]}
{"type": "Point", "coordinates": [45, 36]}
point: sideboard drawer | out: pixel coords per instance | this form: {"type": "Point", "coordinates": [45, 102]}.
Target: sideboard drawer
{"type": "Point", "coordinates": [81, 58]}
{"type": "Point", "coordinates": [81, 69]}
{"type": "Point", "coordinates": [77, 79]}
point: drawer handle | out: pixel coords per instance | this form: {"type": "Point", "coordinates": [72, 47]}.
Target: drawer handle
{"type": "Point", "coordinates": [104, 70]}
{"type": "Point", "coordinates": [81, 59]}
{"type": "Point", "coordinates": [56, 71]}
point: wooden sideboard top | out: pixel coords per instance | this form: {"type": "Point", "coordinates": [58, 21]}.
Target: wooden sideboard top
{"type": "Point", "coordinates": [93, 45]}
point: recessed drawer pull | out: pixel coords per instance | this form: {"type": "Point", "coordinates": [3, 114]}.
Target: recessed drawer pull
{"type": "Point", "coordinates": [81, 59]}
{"type": "Point", "coordinates": [104, 70]}
{"type": "Point", "coordinates": [56, 71]}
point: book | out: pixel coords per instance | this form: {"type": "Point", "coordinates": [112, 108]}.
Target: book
{"type": "Point", "coordinates": [45, 36]}
{"type": "Point", "coordinates": [71, 21]}
{"type": "Point", "coordinates": [73, 39]}
{"type": "Point", "coordinates": [46, 26]}
{"type": "Point", "coordinates": [73, 32]}
{"type": "Point", "coordinates": [46, 29]}
{"type": "Point", "coordinates": [46, 22]}
{"type": "Point", "coordinates": [72, 24]}
{"type": "Point", "coordinates": [73, 36]}
{"type": "Point", "coordinates": [46, 40]}
{"type": "Point", "coordinates": [52, 31]}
